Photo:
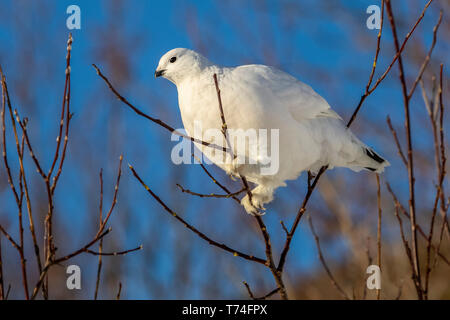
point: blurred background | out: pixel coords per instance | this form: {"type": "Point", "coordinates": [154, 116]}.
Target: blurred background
{"type": "Point", "coordinates": [323, 43]}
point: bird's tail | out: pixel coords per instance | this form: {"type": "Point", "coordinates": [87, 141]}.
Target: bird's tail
{"type": "Point", "coordinates": [373, 161]}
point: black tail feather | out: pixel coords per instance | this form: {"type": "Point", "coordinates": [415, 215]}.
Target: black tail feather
{"type": "Point", "coordinates": [371, 154]}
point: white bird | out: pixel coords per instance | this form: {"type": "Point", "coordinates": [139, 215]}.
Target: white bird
{"type": "Point", "coordinates": [311, 134]}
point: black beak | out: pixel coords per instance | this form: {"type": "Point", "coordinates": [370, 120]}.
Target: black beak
{"type": "Point", "coordinates": [159, 73]}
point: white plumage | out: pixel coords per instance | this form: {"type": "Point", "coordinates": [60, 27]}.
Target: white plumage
{"type": "Point", "coordinates": [311, 134]}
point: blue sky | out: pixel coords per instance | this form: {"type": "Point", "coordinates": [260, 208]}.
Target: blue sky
{"type": "Point", "coordinates": [316, 46]}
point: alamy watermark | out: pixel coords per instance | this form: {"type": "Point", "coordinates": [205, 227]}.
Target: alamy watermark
{"type": "Point", "coordinates": [374, 20]}
{"type": "Point", "coordinates": [251, 146]}
{"type": "Point", "coordinates": [374, 280]}
{"type": "Point", "coordinates": [74, 279]}
{"type": "Point", "coordinates": [74, 20]}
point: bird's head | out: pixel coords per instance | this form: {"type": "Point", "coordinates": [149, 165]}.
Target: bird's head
{"type": "Point", "coordinates": [178, 64]}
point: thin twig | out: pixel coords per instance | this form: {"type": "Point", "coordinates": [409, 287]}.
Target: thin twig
{"type": "Point", "coordinates": [427, 58]}
{"type": "Point", "coordinates": [49, 264]}
{"type": "Point", "coordinates": [403, 237]}
{"type": "Point", "coordinates": [411, 178]}
{"type": "Point", "coordinates": [394, 135]}
{"type": "Point", "coordinates": [440, 167]}
{"type": "Point", "coordinates": [324, 263]}
{"type": "Point", "coordinates": [386, 72]}
{"type": "Point", "coordinates": [400, 290]}
{"type": "Point", "coordinates": [266, 296]}
{"type": "Point", "coordinates": [236, 253]}
{"type": "Point", "coordinates": [369, 262]}
{"type": "Point", "coordinates": [119, 292]}
{"type": "Point", "coordinates": [10, 238]}
{"type": "Point", "coordinates": [117, 253]}
{"type": "Point", "coordinates": [85, 249]}
{"type": "Point", "coordinates": [7, 292]}
{"type": "Point", "coordinates": [299, 215]}
{"type": "Point", "coordinates": [220, 185]}
{"type": "Point", "coordinates": [211, 195]}
{"type": "Point", "coordinates": [157, 121]}
{"type": "Point", "coordinates": [63, 108]}
{"type": "Point", "coordinates": [250, 293]}
{"type": "Point", "coordinates": [377, 51]}
{"type": "Point", "coordinates": [378, 229]}
{"type": "Point", "coordinates": [2, 288]}
{"type": "Point", "coordinates": [17, 195]}
{"type": "Point", "coordinates": [442, 164]}
{"type": "Point", "coordinates": [100, 245]}
{"type": "Point", "coordinates": [419, 228]}
{"type": "Point", "coordinates": [114, 201]}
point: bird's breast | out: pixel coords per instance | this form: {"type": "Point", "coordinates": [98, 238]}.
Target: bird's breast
{"type": "Point", "coordinates": [199, 107]}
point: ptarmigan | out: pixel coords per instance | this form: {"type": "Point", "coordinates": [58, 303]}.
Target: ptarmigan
{"type": "Point", "coordinates": [289, 118]}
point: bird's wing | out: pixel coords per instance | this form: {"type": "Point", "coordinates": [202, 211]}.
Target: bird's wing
{"type": "Point", "coordinates": [282, 90]}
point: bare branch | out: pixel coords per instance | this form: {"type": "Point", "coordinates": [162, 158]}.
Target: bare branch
{"type": "Point", "coordinates": [211, 195]}
{"type": "Point", "coordinates": [117, 253]}
{"type": "Point", "coordinates": [379, 229]}
{"type": "Point", "coordinates": [157, 121]}
{"type": "Point", "coordinates": [322, 260]}
{"type": "Point", "coordinates": [236, 253]}
{"type": "Point", "coordinates": [412, 205]}
{"type": "Point", "coordinates": [427, 58]}
{"type": "Point", "coordinates": [394, 135]}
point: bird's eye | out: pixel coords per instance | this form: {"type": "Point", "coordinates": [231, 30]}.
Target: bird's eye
{"type": "Point", "coordinates": [173, 59]}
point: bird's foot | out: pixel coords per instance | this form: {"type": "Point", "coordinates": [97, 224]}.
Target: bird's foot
{"type": "Point", "coordinates": [255, 206]}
